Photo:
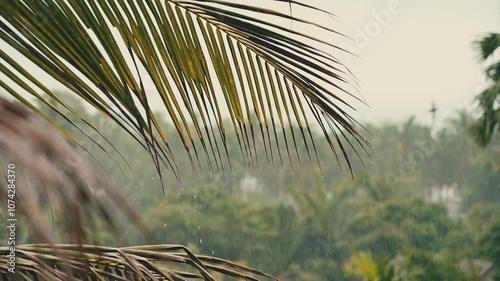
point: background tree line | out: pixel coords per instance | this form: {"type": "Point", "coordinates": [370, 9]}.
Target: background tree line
{"type": "Point", "coordinates": [426, 203]}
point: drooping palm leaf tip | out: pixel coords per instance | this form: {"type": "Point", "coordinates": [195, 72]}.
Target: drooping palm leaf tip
{"type": "Point", "coordinates": [205, 61]}
{"type": "Point", "coordinates": [489, 121]}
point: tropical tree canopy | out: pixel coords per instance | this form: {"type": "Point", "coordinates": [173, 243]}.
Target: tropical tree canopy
{"type": "Point", "coordinates": [484, 129]}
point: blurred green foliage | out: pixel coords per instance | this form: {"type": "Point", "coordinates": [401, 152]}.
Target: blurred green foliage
{"type": "Point", "coordinates": [309, 224]}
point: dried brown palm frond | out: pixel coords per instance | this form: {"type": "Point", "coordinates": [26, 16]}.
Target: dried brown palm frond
{"type": "Point", "coordinates": [155, 262]}
{"type": "Point", "coordinates": [39, 164]}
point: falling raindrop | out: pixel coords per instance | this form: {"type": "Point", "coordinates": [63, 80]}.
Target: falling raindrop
{"type": "Point", "coordinates": [213, 252]}
{"type": "Point", "coordinates": [201, 240]}
{"type": "Point", "coordinates": [198, 227]}
{"type": "Point", "coordinates": [194, 196]}
{"type": "Point", "coordinates": [153, 178]}
{"type": "Point", "coordinates": [164, 224]}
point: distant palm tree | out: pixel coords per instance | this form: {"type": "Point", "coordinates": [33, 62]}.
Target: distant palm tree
{"type": "Point", "coordinates": [484, 128]}
{"type": "Point", "coordinates": [364, 265]}
{"type": "Point", "coordinates": [202, 60]}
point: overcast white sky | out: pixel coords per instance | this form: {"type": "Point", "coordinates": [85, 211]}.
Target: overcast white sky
{"type": "Point", "coordinates": [423, 53]}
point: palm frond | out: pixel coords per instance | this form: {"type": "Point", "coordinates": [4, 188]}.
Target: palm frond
{"type": "Point", "coordinates": [203, 59]}
{"type": "Point", "coordinates": [487, 45]}
{"type": "Point", "coordinates": [87, 262]}
{"type": "Point", "coordinates": [484, 129]}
